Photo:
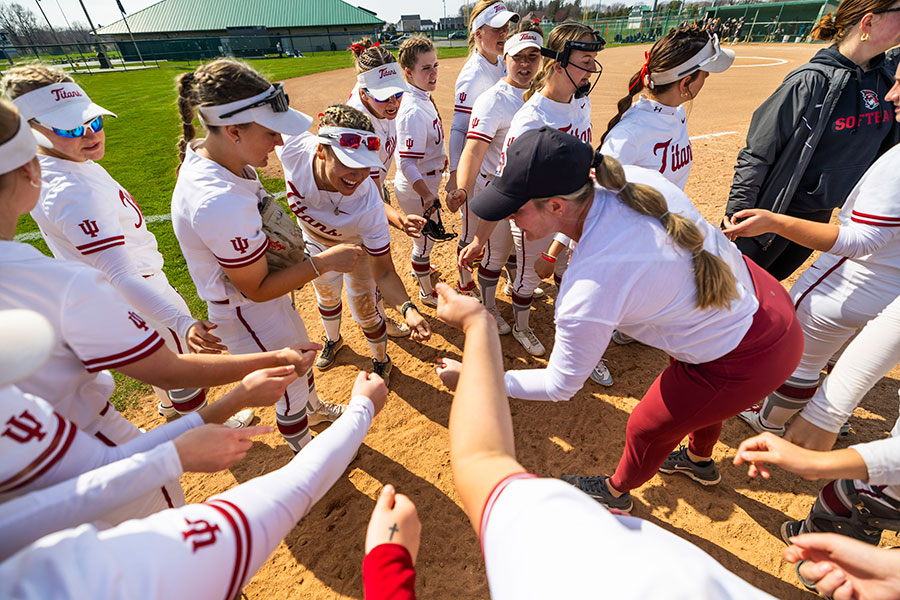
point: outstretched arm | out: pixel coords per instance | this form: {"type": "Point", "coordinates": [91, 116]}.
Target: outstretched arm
{"type": "Point", "coordinates": [482, 447]}
{"type": "Point", "coordinates": [845, 463]}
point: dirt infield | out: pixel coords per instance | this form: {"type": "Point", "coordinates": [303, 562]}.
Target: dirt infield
{"type": "Point", "coordinates": [736, 522]}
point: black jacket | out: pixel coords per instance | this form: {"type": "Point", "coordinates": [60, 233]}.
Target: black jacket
{"type": "Point", "coordinates": [786, 129]}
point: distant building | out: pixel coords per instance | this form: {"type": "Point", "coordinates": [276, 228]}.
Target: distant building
{"type": "Point", "coordinates": [409, 23]}
{"type": "Point", "coordinates": [451, 23]}
{"type": "Point", "coordinates": [426, 25]}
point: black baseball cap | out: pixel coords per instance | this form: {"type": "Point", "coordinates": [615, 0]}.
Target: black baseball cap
{"type": "Point", "coordinates": [540, 163]}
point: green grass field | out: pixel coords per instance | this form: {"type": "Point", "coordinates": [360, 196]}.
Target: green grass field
{"type": "Point", "coordinates": [142, 153]}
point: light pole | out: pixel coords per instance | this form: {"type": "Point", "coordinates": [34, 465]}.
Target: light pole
{"type": "Point", "coordinates": [53, 31]}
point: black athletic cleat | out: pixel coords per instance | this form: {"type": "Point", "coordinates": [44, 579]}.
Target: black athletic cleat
{"type": "Point", "coordinates": [678, 462]}
{"type": "Point", "coordinates": [383, 369]}
{"type": "Point", "coordinates": [329, 352]}
{"type": "Point", "coordinates": [595, 487]}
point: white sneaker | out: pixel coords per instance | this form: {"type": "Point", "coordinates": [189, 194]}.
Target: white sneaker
{"type": "Point", "coordinates": [529, 341]}
{"type": "Point", "coordinates": [396, 329]}
{"type": "Point", "coordinates": [326, 412]}
{"type": "Point", "coordinates": [241, 419]}
{"type": "Point", "coordinates": [752, 417]}
{"type": "Point", "coordinates": [428, 299]}
{"type": "Point", "coordinates": [508, 290]}
{"type": "Point", "coordinates": [167, 412]}
{"type": "Point", "coordinates": [601, 374]}
{"type": "Point", "coordinates": [503, 327]}
{"type": "Point", "coordinates": [472, 291]}
{"type": "Point", "coordinates": [620, 338]}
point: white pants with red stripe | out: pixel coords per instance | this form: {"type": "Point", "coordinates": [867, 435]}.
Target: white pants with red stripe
{"type": "Point", "coordinates": [265, 326]}
{"type": "Point", "coordinates": [199, 551]}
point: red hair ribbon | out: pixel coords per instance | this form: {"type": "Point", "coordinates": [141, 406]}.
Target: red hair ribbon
{"type": "Point", "coordinates": [643, 74]}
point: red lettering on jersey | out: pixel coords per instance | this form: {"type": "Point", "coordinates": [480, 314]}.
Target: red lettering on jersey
{"type": "Point", "coordinates": [664, 146]}
{"type": "Point", "coordinates": [89, 228]}
{"type": "Point", "coordinates": [300, 210]}
{"type": "Point", "coordinates": [390, 145]}
{"type": "Point", "coordinates": [293, 193]}
{"type": "Point", "coordinates": [138, 321]}
{"type": "Point", "coordinates": [439, 130]}
{"type": "Point", "coordinates": [584, 136]}
{"type": "Point", "coordinates": [61, 94]}
{"type": "Point", "coordinates": [200, 533]}
{"type": "Point", "coordinates": [23, 428]}
{"type": "Point", "coordinates": [681, 157]}
{"type": "Point", "coordinates": [127, 200]}
{"type": "Point", "coordinates": [475, 121]}
{"type": "Point", "coordinates": [240, 244]}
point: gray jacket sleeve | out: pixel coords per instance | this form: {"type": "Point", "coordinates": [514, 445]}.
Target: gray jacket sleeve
{"type": "Point", "coordinates": [773, 125]}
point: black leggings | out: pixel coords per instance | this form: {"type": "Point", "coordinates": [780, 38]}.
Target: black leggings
{"type": "Point", "coordinates": [783, 256]}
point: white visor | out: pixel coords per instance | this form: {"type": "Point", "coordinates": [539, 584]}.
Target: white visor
{"type": "Point", "coordinates": [28, 339]}
{"type": "Point", "coordinates": [520, 41]}
{"type": "Point", "coordinates": [355, 158]}
{"type": "Point", "coordinates": [711, 58]}
{"type": "Point", "coordinates": [63, 106]}
{"type": "Point", "coordinates": [383, 82]}
{"type": "Point", "coordinates": [18, 150]}
{"type": "Point", "coordinates": [495, 15]}
{"type": "Point", "coordinates": [289, 122]}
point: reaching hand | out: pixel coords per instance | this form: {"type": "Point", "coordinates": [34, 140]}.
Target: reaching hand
{"type": "Point", "coordinates": [372, 387]}
{"type": "Point", "coordinates": [543, 267]}
{"type": "Point", "coordinates": [340, 258]}
{"type": "Point", "coordinates": [419, 328]}
{"type": "Point", "coordinates": [458, 310]}
{"type": "Point", "coordinates": [769, 448]}
{"type": "Point", "coordinates": [748, 223]}
{"type": "Point", "coordinates": [201, 341]}
{"type": "Point", "coordinates": [301, 356]}
{"type": "Point", "coordinates": [264, 387]}
{"type": "Point", "coordinates": [412, 225]}
{"type": "Point", "coordinates": [211, 448]}
{"type": "Point", "coordinates": [844, 568]}
{"type": "Point", "coordinates": [455, 199]}
{"type": "Point", "coordinates": [468, 256]}
{"type": "Point", "coordinates": [394, 521]}
{"type": "Point", "coordinates": [448, 370]}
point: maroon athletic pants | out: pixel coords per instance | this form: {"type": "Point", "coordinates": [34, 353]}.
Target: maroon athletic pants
{"type": "Point", "coordinates": [695, 399]}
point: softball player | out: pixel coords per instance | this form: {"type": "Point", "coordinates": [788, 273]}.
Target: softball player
{"type": "Point", "coordinates": [85, 215]}
{"type": "Point", "coordinates": [652, 132]}
{"type": "Point", "coordinates": [540, 537]}
{"type": "Point", "coordinates": [488, 28]}
{"type": "Point", "coordinates": [852, 282]}
{"type": "Point", "coordinates": [336, 202]}
{"type": "Point", "coordinates": [420, 156]}
{"type": "Point", "coordinates": [208, 550]}
{"type": "Point", "coordinates": [668, 279]}
{"type": "Point", "coordinates": [96, 330]}
{"type": "Point", "coordinates": [557, 97]}
{"type": "Point", "coordinates": [492, 114]}
{"type": "Point", "coordinates": [216, 220]}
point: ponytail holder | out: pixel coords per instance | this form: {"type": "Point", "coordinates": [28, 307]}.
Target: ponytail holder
{"type": "Point", "coordinates": [375, 45]}
{"type": "Point", "coordinates": [619, 191]}
{"type": "Point", "coordinates": [663, 215]}
{"type": "Point", "coordinates": [643, 74]}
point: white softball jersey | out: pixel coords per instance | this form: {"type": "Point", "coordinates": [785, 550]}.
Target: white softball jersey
{"type": "Point", "coordinates": [491, 117]}
{"type": "Point", "coordinates": [385, 129]}
{"type": "Point", "coordinates": [42, 487]}
{"type": "Point", "coordinates": [475, 78]}
{"type": "Point", "coordinates": [357, 218]}
{"type": "Point", "coordinates": [653, 136]}
{"type": "Point", "coordinates": [85, 215]}
{"type": "Point", "coordinates": [96, 330]}
{"type": "Point", "coordinates": [209, 550]}
{"type": "Point", "coordinates": [420, 138]}
{"type": "Point", "coordinates": [573, 117]}
{"type": "Point", "coordinates": [543, 538]}
{"type": "Point", "coordinates": [626, 274]}
{"type": "Point", "coordinates": [216, 219]}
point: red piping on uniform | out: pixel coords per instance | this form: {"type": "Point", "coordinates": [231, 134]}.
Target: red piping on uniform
{"type": "Point", "coordinates": [818, 281]}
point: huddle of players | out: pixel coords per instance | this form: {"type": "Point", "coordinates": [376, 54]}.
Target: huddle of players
{"type": "Point", "coordinates": [340, 209]}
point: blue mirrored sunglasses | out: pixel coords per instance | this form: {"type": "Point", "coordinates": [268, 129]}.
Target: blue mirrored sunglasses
{"type": "Point", "coordinates": [396, 96]}
{"type": "Point", "coordinates": [95, 125]}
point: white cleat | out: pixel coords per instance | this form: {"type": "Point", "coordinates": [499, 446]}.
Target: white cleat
{"type": "Point", "coordinates": [503, 327]}
{"type": "Point", "coordinates": [241, 419]}
{"type": "Point", "coordinates": [428, 299]}
{"type": "Point", "coordinates": [396, 329]}
{"type": "Point", "coordinates": [508, 290]}
{"type": "Point", "coordinates": [753, 418]}
{"type": "Point", "coordinates": [327, 412]}
{"type": "Point", "coordinates": [601, 374]}
{"type": "Point", "coordinates": [167, 412]}
{"type": "Point", "coordinates": [529, 341]}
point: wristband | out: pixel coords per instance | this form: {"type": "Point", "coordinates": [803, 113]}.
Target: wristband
{"type": "Point", "coordinates": [313, 265]}
{"type": "Point", "coordinates": [408, 305]}
{"type": "Point", "coordinates": [463, 190]}
{"type": "Point", "coordinates": [548, 258]}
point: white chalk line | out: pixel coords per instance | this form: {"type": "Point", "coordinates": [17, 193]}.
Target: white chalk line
{"type": "Point", "coordinates": [776, 62]}
{"type": "Point", "coordinates": [712, 135]}
{"type": "Point", "coordinates": [32, 236]}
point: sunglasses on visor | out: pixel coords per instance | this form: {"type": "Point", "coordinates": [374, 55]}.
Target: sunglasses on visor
{"type": "Point", "coordinates": [95, 125]}
{"type": "Point", "coordinates": [705, 61]}
{"type": "Point", "coordinates": [277, 100]}
{"type": "Point", "coordinates": [353, 140]}
{"type": "Point", "coordinates": [396, 96]}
